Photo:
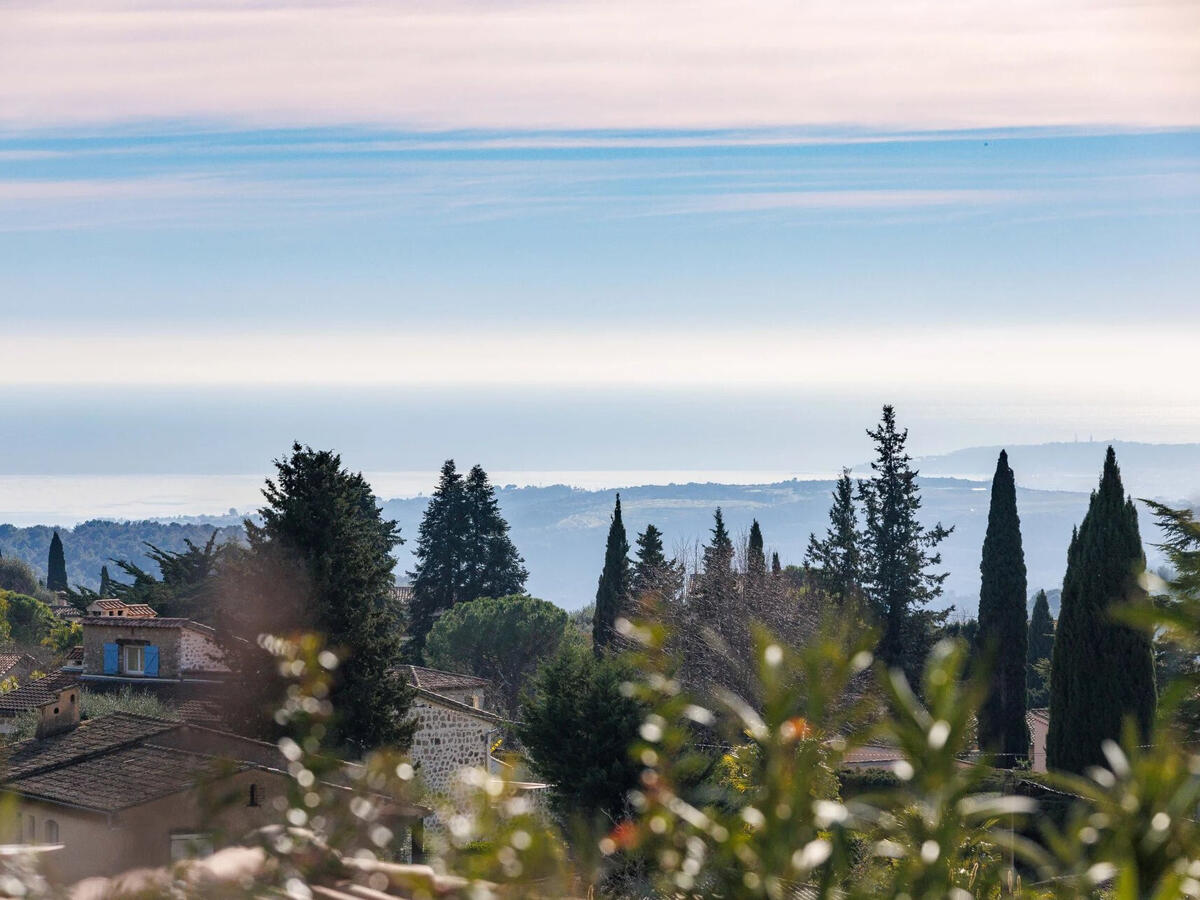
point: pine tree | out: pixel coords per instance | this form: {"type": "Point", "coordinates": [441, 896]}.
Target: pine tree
{"type": "Point", "coordinates": [463, 552]}
{"type": "Point", "coordinates": [656, 579]}
{"type": "Point", "coordinates": [897, 551]}
{"type": "Point", "coordinates": [493, 566]}
{"type": "Point", "coordinates": [1040, 648]}
{"type": "Point", "coordinates": [56, 566]}
{"type": "Point", "coordinates": [1102, 671]}
{"type": "Point", "coordinates": [613, 590]}
{"type": "Point", "coordinates": [756, 559]}
{"type": "Point", "coordinates": [105, 582]}
{"type": "Point", "coordinates": [718, 554]}
{"type": "Point", "coordinates": [327, 521]}
{"type": "Point", "coordinates": [1002, 626]}
{"type": "Point", "coordinates": [776, 568]}
{"type": "Point", "coordinates": [837, 558]}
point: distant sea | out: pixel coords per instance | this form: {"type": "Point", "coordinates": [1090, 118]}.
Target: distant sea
{"type": "Point", "coordinates": [70, 499]}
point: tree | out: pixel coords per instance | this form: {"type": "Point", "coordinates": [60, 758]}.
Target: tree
{"type": "Point", "coordinates": [614, 588]}
{"type": "Point", "coordinates": [837, 558]}
{"type": "Point", "coordinates": [756, 559]}
{"type": "Point", "coordinates": [325, 521]}
{"type": "Point", "coordinates": [656, 579]}
{"type": "Point", "coordinates": [56, 566]}
{"type": "Point", "coordinates": [776, 568]}
{"type": "Point", "coordinates": [105, 583]}
{"type": "Point", "coordinates": [29, 620]}
{"type": "Point", "coordinates": [463, 552]}
{"type": "Point", "coordinates": [897, 551]}
{"type": "Point", "coordinates": [16, 575]}
{"type": "Point", "coordinates": [1040, 646]}
{"type": "Point", "coordinates": [1102, 671]}
{"type": "Point", "coordinates": [502, 639]}
{"type": "Point", "coordinates": [1003, 730]}
{"type": "Point", "coordinates": [186, 586]}
{"type": "Point", "coordinates": [577, 727]}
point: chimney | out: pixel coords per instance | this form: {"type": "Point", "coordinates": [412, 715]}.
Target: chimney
{"type": "Point", "coordinates": [60, 714]}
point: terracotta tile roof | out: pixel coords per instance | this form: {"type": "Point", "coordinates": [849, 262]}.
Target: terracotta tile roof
{"type": "Point", "coordinates": [9, 661]}
{"type": "Point", "coordinates": [74, 656]}
{"type": "Point", "coordinates": [136, 622]}
{"type": "Point", "coordinates": [437, 681]}
{"type": "Point", "coordinates": [33, 694]}
{"type": "Point", "coordinates": [140, 611]}
{"type": "Point", "coordinates": [203, 712]}
{"type": "Point", "coordinates": [107, 604]}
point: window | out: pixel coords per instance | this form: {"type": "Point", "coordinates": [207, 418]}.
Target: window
{"type": "Point", "coordinates": [51, 831]}
{"type": "Point", "coordinates": [135, 659]}
{"type": "Point", "coordinates": [190, 845]}
{"type": "Point", "coordinates": [33, 829]}
{"type": "Point", "coordinates": [255, 796]}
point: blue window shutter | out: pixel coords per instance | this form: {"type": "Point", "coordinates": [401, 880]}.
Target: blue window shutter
{"type": "Point", "coordinates": [150, 660]}
{"type": "Point", "coordinates": [110, 659]}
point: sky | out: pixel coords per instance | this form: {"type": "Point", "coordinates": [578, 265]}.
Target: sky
{"type": "Point", "coordinates": [591, 235]}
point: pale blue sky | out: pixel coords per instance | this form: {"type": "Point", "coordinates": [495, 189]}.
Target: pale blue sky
{"type": "Point", "coordinates": [223, 225]}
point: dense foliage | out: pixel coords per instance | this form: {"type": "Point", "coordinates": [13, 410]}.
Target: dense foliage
{"type": "Point", "coordinates": [1039, 648]}
{"type": "Point", "coordinates": [56, 566]}
{"type": "Point", "coordinates": [502, 639]}
{"type": "Point", "coordinates": [1002, 625]}
{"type": "Point", "coordinates": [1102, 670]}
{"type": "Point", "coordinates": [615, 586]}
{"type": "Point", "coordinates": [836, 559]}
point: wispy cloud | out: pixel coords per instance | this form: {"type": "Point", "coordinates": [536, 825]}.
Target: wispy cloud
{"type": "Point", "coordinates": [529, 64]}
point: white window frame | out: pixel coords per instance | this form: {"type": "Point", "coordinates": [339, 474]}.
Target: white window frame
{"type": "Point", "coordinates": [140, 669]}
{"type": "Point", "coordinates": [191, 845]}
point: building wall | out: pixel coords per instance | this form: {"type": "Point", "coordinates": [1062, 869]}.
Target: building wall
{"type": "Point", "coordinates": [166, 639]}
{"type": "Point", "coordinates": [198, 652]}
{"type": "Point", "coordinates": [446, 740]}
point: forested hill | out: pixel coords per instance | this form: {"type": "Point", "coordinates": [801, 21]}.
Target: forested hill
{"type": "Point", "coordinates": [90, 545]}
{"type": "Point", "coordinates": [561, 530]}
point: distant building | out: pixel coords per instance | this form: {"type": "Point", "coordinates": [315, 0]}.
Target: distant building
{"type": "Point", "coordinates": [17, 665]}
{"type": "Point", "coordinates": [1039, 726]}
{"type": "Point", "coordinates": [63, 608]}
{"type": "Point", "coordinates": [141, 649]}
{"type": "Point", "coordinates": [117, 608]}
{"type": "Point", "coordinates": [121, 792]}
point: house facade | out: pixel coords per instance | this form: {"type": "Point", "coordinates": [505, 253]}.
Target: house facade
{"type": "Point", "coordinates": [139, 649]}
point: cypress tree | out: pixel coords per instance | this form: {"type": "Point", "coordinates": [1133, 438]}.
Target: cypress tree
{"type": "Point", "coordinates": [776, 568]}
{"type": "Point", "coordinates": [1102, 671]}
{"type": "Point", "coordinates": [718, 554]}
{"type": "Point", "coordinates": [56, 566]}
{"type": "Point", "coordinates": [105, 582]}
{"type": "Point", "coordinates": [756, 559]}
{"type": "Point", "coordinates": [837, 558]}
{"type": "Point", "coordinates": [1002, 627]}
{"type": "Point", "coordinates": [1040, 646]}
{"type": "Point", "coordinates": [612, 592]}
{"type": "Point", "coordinates": [897, 550]}
{"type": "Point", "coordinates": [326, 520]}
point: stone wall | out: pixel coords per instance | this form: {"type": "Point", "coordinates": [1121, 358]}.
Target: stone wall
{"type": "Point", "coordinates": [198, 652]}
{"type": "Point", "coordinates": [96, 636]}
{"type": "Point", "coordinates": [446, 740]}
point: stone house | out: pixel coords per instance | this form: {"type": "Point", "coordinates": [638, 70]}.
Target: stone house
{"type": "Point", "coordinates": [1038, 721]}
{"type": "Point", "coordinates": [142, 649]}
{"type": "Point", "coordinates": [17, 665]}
{"type": "Point", "coordinates": [122, 791]}
{"type": "Point", "coordinates": [453, 729]}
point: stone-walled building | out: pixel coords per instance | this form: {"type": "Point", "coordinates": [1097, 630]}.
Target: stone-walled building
{"type": "Point", "coordinates": [453, 730]}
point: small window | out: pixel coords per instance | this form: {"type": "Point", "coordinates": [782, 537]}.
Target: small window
{"type": "Point", "coordinates": [51, 831]}
{"type": "Point", "coordinates": [190, 845]}
{"type": "Point", "coordinates": [255, 796]}
{"type": "Point", "coordinates": [135, 659]}
{"type": "Point", "coordinates": [33, 829]}
{"type": "Point", "coordinates": [72, 699]}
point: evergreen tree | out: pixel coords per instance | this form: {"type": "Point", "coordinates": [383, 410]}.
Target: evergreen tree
{"type": "Point", "coordinates": [837, 558]}
{"type": "Point", "coordinates": [756, 559]}
{"type": "Point", "coordinates": [776, 568]}
{"type": "Point", "coordinates": [718, 554]}
{"type": "Point", "coordinates": [1002, 626]}
{"type": "Point", "coordinates": [493, 567]}
{"type": "Point", "coordinates": [613, 590]}
{"type": "Point", "coordinates": [1102, 671]}
{"type": "Point", "coordinates": [897, 551]}
{"type": "Point", "coordinates": [656, 579]}
{"type": "Point", "coordinates": [1040, 647]}
{"type": "Point", "coordinates": [56, 566]}
{"type": "Point", "coordinates": [327, 522]}
{"type": "Point", "coordinates": [463, 552]}
{"type": "Point", "coordinates": [105, 582]}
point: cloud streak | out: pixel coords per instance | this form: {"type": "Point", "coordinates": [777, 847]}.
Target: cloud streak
{"type": "Point", "coordinates": [529, 64]}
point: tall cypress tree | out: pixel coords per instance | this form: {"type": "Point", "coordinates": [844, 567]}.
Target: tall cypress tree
{"type": "Point", "coordinates": [326, 521]}
{"type": "Point", "coordinates": [1002, 626]}
{"type": "Point", "coordinates": [756, 559]}
{"type": "Point", "coordinates": [463, 552]}
{"type": "Point", "coordinates": [105, 582]}
{"type": "Point", "coordinates": [837, 558]}
{"type": "Point", "coordinates": [776, 568]}
{"type": "Point", "coordinates": [1040, 646]}
{"type": "Point", "coordinates": [1102, 671]}
{"type": "Point", "coordinates": [897, 551]}
{"type": "Point", "coordinates": [56, 566]}
{"type": "Point", "coordinates": [612, 593]}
